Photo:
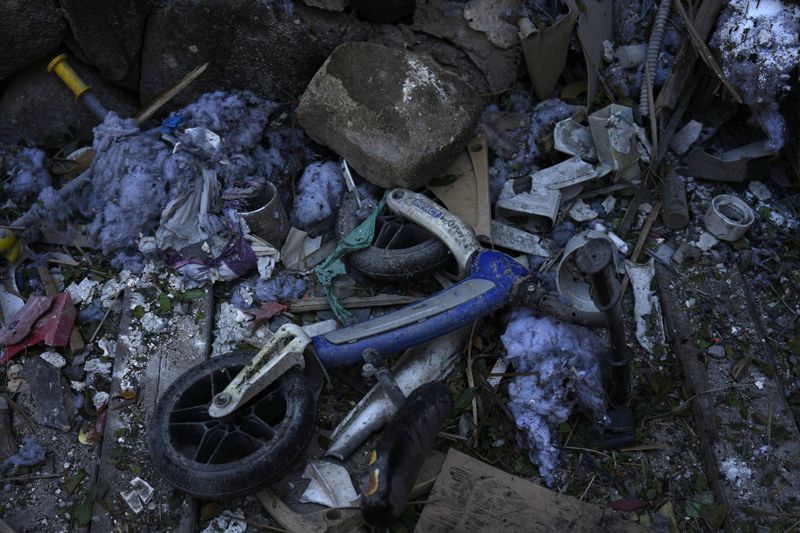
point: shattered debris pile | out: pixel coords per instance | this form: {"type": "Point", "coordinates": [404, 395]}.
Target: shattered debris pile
{"type": "Point", "coordinates": [370, 268]}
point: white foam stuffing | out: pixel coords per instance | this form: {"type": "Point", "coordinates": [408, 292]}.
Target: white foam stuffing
{"type": "Point", "coordinates": [320, 192]}
{"type": "Point", "coordinates": [564, 366]}
{"type": "Point", "coordinates": [757, 41]}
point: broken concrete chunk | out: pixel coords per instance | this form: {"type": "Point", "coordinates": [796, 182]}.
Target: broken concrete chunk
{"type": "Point", "coordinates": [686, 137]}
{"type": "Point", "coordinates": [445, 19]}
{"type": "Point", "coordinates": [49, 395]}
{"type": "Point", "coordinates": [706, 241]}
{"type": "Point", "coordinates": [573, 138]}
{"type": "Point", "coordinates": [490, 17]}
{"type": "Point", "coordinates": [759, 190]}
{"type": "Point", "coordinates": [398, 118]}
{"type": "Point", "coordinates": [686, 252]}
{"type": "Point", "coordinates": [581, 212]}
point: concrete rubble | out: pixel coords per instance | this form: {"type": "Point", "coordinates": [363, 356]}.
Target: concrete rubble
{"type": "Point", "coordinates": [263, 265]}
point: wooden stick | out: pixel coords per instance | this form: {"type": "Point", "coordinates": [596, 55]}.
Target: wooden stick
{"type": "Point", "coordinates": [150, 109]}
{"type": "Point", "coordinates": [704, 52]}
{"type": "Point", "coordinates": [305, 305]}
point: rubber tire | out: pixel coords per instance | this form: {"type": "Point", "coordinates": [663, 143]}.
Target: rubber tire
{"type": "Point", "coordinates": [383, 264]}
{"type": "Point", "coordinates": [254, 472]}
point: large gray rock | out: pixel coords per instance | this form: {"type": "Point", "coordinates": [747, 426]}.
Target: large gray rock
{"type": "Point", "coordinates": [258, 46]}
{"type": "Point", "coordinates": [40, 108]}
{"type": "Point", "coordinates": [109, 34]}
{"type": "Point", "coordinates": [29, 30]}
{"type": "Point", "coordinates": [397, 117]}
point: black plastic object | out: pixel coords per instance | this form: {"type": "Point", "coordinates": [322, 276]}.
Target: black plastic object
{"type": "Point", "coordinates": [401, 249]}
{"type": "Point", "coordinates": [595, 260]}
{"type": "Point", "coordinates": [397, 459]}
{"type": "Point", "coordinates": [215, 459]}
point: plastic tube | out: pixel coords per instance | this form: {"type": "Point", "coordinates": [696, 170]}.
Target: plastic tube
{"type": "Point", "coordinates": [653, 49]}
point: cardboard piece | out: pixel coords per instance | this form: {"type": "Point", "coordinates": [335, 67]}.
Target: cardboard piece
{"type": "Point", "coordinates": [471, 496]}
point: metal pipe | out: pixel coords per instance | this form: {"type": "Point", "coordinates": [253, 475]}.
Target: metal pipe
{"type": "Point", "coordinates": [595, 260]}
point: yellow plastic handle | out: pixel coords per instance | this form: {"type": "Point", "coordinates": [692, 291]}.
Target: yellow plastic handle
{"type": "Point", "coordinates": [61, 67]}
{"type": "Point", "coordinates": [9, 245]}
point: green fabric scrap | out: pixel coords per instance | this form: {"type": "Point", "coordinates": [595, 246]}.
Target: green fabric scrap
{"type": "Point", "coordinates": [333, 266]}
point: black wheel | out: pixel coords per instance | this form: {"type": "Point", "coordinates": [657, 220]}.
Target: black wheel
{"type": "Point", "coordinates": [401, 249]}
{"type": "Point", "coordinates": [215, 459]}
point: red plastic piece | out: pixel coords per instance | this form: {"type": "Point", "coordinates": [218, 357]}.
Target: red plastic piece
{"type": "Point", "coordinates": [53, 328]}
{"type": "Point", "coordinates": [21, 323]}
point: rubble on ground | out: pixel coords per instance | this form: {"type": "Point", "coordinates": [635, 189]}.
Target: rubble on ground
{"type": "Point", "coordinates": [338, 183]}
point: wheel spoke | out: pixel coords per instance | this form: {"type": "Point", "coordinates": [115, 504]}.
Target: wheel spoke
{"type": "Point", "coordinates": [219, 380]}
{"type": "Point", "coordinates": [270, 409]}
{"type": "Point", "coordinates": [255, 427]}
{"type": "Point", "coordinates": [386, 234]}
{"type": "Point", "coordinates": [233, 446]}
{"type": "Point", "coordinates": [209, 444]}
{"type": "Point", "coordinates": [186, 415]}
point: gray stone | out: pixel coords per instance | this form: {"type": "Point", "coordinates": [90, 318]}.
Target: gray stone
{"type": "Point", "coordinates": [716, 350]}
{"type": "Point", "coordinates": [40, 108]}
{"type": "Point", "coordinates": [29, 30]}
{"type": "Point", "coordinates": [258, 46]}
{"type": "Point", "coordinates": [446, 20]}
{"type": "Point", "coordinates": [686, 252]}
{"type": "Point", "coordinates": [398, 118]}
{"type": "Point", "coordinates": [109, 34]}
{"type": "Point", "coordinates": [50, 394]}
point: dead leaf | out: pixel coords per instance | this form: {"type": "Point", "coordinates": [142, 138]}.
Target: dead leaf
{"type": "Point", "coordinates": [738, 367]}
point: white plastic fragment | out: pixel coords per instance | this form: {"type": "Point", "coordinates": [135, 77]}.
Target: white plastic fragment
{"type": "Point", "coordinates": [516, 239]}
{"type": "Point", "coordinates": [83, 291]}
{"type": "Point", "coordinates": [143, 489]}
{"type": "Point", "coordinates": [573, 138]}
{"type": "Point", "coordinates": [646, 306]}
{"type": "Point", "coordinates": [131, 497]}
{"type": "Point", "coordinates": [227, 523]}
{"type": "Point", "coordinates": [330, 486]}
